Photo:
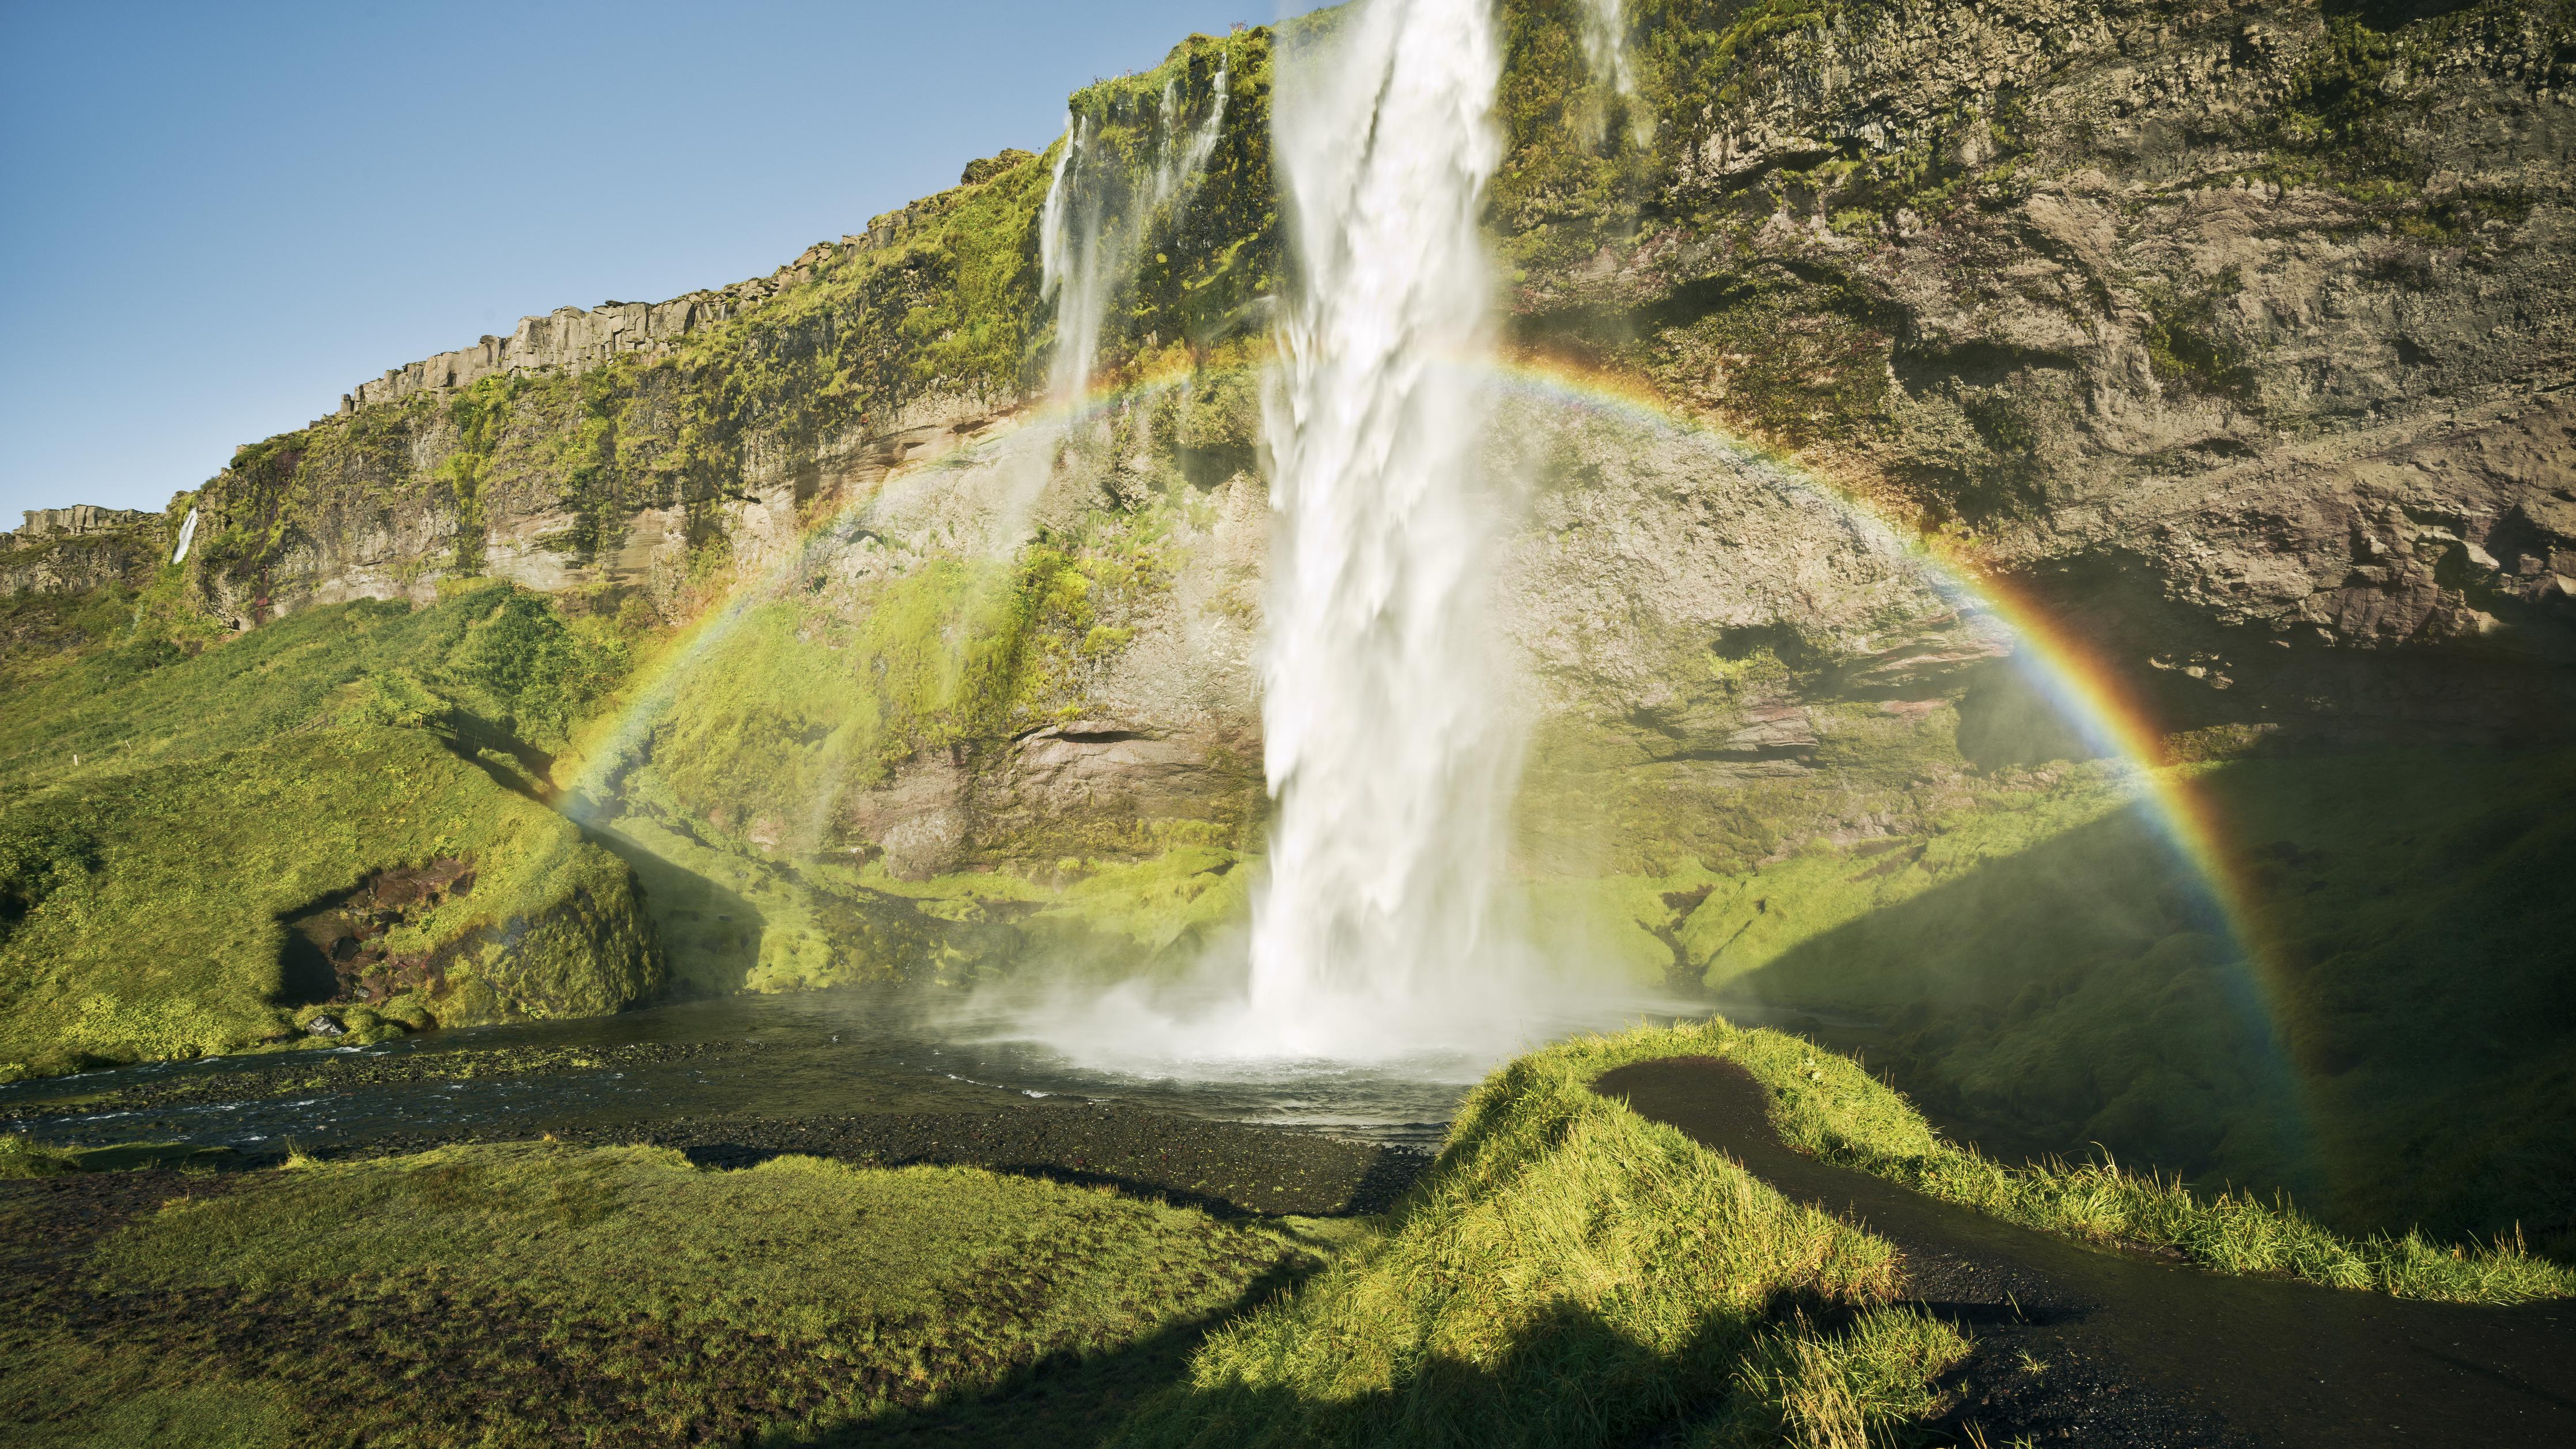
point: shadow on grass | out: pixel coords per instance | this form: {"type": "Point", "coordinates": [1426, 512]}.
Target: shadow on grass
{"type": "Point", "coordinates": [2396, 1048]}
{"type": "Point", "coordinates": [1062, 1400]}
{"type": "Point", "coordinates": [1570, 1381]}
{"type": "Point", "coordinates": [1386, 1178]}
{"type": "Point", "coordinates": [710, 933]}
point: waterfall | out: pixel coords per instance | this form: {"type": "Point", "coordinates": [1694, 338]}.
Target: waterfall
{"type": "Point", "coordinates": [1605, 45]}
{"type": "Point", "coordinates": [1098, 208]}
{"type": "Point", "coordinates": [1070, 269]}
{"type": "Point", "coordinates": [1388, 749]}
{"type": "Point", "coordinates": [187, 536]}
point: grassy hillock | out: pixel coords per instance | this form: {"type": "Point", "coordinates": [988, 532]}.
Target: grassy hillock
{"type": "Point", "coordinates": [534, 1295]}
{"type": "Point", "coordinates": [1572, 1274]}
{"type": "Point", "coordinates": [167, 814]}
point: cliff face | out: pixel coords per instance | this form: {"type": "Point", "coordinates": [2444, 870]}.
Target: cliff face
{"type": "Point", "coordinates": [2236, 330]}
{"type": "Point", "coordinates": [2241, 331]}
{"type": "Point", "coordinates": [80, 549]}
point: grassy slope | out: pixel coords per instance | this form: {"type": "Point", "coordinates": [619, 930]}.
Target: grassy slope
{"type": "Point", "coordinates": [1570, 1274]}
{"type": "Point", "coordinates": [2127, 1023]}
{"type": "Point", "coordinates": [523, 1294]}
{"type": "Point", "coordinates": [1828, 1105]}
{"type": "Point", "coordinates": [163, 810]}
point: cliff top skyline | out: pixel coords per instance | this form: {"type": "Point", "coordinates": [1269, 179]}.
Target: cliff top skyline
{"type": "Point", "coordinates": [242, 220]}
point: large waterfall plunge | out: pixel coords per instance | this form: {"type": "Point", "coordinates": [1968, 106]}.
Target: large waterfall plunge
{"type": "Point", "coordinates": [1383, 939]}
{"type": "Point", "coordinates": [1388, 752]}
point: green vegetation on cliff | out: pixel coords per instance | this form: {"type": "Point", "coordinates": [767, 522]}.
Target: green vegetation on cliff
{"type": "Point", "coordinates": [841, 787]}
{"type": "Point", "coordinates": [942, 311]}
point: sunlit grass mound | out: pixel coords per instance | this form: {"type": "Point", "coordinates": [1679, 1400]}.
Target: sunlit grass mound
{"type": "Point", "coordinates": [530, 1294]}
{"type": "Point", "coordinates": [1572, 1274]}
{"type": "Point", "coordinates": [163, 814]}
{"type": "Point", "coordinates": [1828, 1105]}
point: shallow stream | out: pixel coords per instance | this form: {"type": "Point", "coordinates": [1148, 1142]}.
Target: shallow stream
{"type": "Point", "coordinates": [771, 1057]}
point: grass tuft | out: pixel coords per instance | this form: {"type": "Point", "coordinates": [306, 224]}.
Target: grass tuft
{"type": "Point", "coordinates": [22, 1157]}
{"type": "Point", "coordinates": [1801, 1386]}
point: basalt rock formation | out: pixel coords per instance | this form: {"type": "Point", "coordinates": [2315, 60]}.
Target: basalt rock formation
{"type": "Point", "coordinates": [2238, 330]}
{"type": "Point", "coordinates": [80, 549]}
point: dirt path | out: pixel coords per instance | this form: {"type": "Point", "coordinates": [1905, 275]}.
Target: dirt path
{"type": "Point", "coordinates": [2078, 1346]}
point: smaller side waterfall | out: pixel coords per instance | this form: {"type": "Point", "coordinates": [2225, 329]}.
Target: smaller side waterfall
{"type": "Point", "coordinates": [1106, 193]}
{"type": "Point", "coordinates": [187, 536]}
{"type": "Point", "coordinates": [1605, 45]}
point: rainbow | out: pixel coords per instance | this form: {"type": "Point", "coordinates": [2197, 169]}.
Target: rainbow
{"type": "Point", "coordinates": [2085, 689]}
{"type": "Point", "coordinates": [2087, 692]}
{"type": "Point", "coordinates": [601, 754]}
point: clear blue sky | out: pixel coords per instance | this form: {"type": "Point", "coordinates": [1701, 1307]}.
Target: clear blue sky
{"type": "Point", "coordinates": [215, 219]}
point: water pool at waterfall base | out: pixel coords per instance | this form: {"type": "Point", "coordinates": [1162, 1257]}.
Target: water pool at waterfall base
{"type": "Point", "coordinates": [771, 1057]}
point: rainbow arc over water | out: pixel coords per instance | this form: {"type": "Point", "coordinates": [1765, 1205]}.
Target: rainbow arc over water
{"type": "Point", "coordinates": [2088, 692]}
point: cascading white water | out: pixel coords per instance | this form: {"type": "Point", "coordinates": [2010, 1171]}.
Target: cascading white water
{"type": "Point", "coordinates": [1388, 752]}
{"type": "Point", "coordinates": [1070, 269]}
{"type": "Point", "coordinates": [1383, 938]}
{"type": "Point", "coordinates": [1096, 212]}
{"type": "Point", "coordinates": [1605, 45]}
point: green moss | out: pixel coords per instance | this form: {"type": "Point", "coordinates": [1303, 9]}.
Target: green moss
{"type": "Point", "coordinates": [2354, 114]}
{"type": "Point", "coordinates": [2188, 341]}
{"type": "Point", "coordinates": [1750, 921]}
{"type": "Point", "coordinates": [804, 700]}
{"type": "Point", "coordinates": [1201, 269]}
{"type": "Point", "coordinates": [170, 811]}
{"type": "Point", "coordinates": [949, 309]}
{"type": "Point", "coordinates": [23, 1157]}
{"type": "Point", "coordinates": [173, 945]}
{"type": "Point", "coordinates": [489, 659]}
{"type": "Point", "coordinates": [1179, 896]}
